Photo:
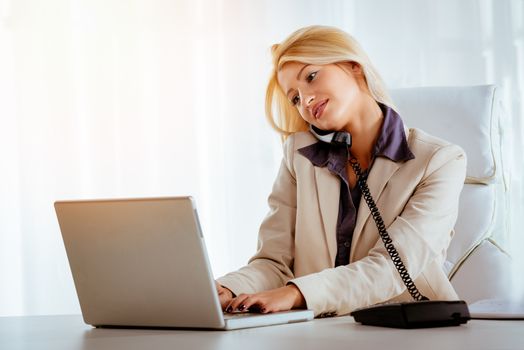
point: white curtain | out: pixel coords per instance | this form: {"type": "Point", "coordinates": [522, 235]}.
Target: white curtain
{"type": "Point", "coordinates": [109, 98]}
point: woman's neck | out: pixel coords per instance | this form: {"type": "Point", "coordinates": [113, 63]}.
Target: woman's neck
{"type": "Point", "coordinates": [365, 129]}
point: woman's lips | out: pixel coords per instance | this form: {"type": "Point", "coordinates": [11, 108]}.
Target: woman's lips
{"type": "Point", "coordinates": [319, 108]}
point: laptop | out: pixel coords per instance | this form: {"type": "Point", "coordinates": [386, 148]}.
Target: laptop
{"type": "Point", "coordinates": [143, 263]}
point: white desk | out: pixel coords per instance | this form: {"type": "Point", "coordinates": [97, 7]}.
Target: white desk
{"type": "Point", "coordinates": [69, 332]}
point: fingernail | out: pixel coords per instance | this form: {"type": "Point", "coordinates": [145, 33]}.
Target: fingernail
{"type": "Point", "coordinates": [263, 309]}
{"type": "Point", "coordinates": [241, 307]}
{"type": "Point", "coordinates": [229, 309]}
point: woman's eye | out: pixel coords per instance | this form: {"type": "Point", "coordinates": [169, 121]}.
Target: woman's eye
{"type": "Point", "coordinates": [295, 100]}
{"type": "Point", "coordinates": [311, 76]}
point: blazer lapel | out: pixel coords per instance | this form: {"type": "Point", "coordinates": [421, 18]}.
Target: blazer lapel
{"type": "Point", "coordinates": [328, 192]}
{"type": "Point", "coordinates": [380, 173]}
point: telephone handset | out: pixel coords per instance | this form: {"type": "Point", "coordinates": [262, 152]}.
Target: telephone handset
{"type": "Point", "coordinates": [420, 313]}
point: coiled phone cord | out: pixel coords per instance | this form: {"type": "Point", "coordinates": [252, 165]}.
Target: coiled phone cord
{"type": "Point", "coordinates": [388, 242]}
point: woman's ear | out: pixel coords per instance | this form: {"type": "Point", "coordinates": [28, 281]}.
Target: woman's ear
{"type": "Point", "coordinates": [352, 67]}
{"type": "Point", "coordinates": [355, 67]}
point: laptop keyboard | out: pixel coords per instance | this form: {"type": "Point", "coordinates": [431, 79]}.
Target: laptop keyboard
{"type": "Point", "coordinates": [240, 314]}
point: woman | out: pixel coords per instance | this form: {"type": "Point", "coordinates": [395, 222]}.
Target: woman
{"type": "Point", "coordinates": [319, 247]}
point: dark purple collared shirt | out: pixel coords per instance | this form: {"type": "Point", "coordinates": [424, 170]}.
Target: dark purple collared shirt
{"type": "Point", "coordinates": [391, 143]}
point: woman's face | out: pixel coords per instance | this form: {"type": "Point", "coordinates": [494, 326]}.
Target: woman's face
{"type": "Point", "coordinates": [326, 96]}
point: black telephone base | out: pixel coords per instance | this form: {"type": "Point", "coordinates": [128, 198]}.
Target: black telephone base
{"type": "Point", "coordinates": [416, 314]}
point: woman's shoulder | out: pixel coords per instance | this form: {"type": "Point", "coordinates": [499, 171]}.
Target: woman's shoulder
{"type": "Point", "coordinates": [299, 139]}
{"type": "Point", "coordinates": [422, 139]}
{"type": "Point", "coordinates": [427, 147]}
{"type": "Point", "coordinates": [296, 141]}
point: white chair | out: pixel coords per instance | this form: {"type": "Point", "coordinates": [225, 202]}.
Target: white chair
{"type": "Point", "coordinates": [469, 117]}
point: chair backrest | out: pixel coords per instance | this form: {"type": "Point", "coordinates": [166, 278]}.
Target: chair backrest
{"type": "Point", "coordinates": [469, 117]}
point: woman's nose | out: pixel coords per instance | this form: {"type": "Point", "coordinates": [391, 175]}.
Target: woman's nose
{"type": "Point", "coordinates": [309, 100]}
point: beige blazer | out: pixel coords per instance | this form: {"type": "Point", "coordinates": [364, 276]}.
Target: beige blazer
{"type": "Point", "coordinates": [418, 200]}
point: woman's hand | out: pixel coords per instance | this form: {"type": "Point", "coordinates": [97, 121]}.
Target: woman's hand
{"type": "Point", "coordinates": [279, 299]}
{"type": "Point", "coordinates": [224, 295]}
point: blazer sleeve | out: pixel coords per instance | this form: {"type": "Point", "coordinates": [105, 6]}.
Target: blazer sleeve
{"type": "Point", "coordinates": [420, 233]}
{"type": "Point", "coordinates": [272, 265]}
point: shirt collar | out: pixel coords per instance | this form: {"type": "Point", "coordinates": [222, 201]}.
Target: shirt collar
{"type": "Point", "coordinates": [391, 143]}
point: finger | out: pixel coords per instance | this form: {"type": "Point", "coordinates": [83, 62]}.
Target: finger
{"type": "Point", "coordinates": [233, 304]}
{"type": "Point", "coordinates": [255, 303]}
{"type": "Point", "coordinates": [224, 300]}
{"type": "Point", "coordinates": [223, 296]}
{"type": "Point", "coordinates": [246, 303]}
{"type": "Point", "coordinates": [236, 302]}
{"type": "Point", "coordinates": [264, 304]}
{"type": "Point", "coordinates": [219, 288]}
{"type": "Point", "coordinates": [260, 308]}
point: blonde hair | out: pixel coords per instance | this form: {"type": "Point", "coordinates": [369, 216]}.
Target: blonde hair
{"type": "Point", "coordinates": [316, 45]}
